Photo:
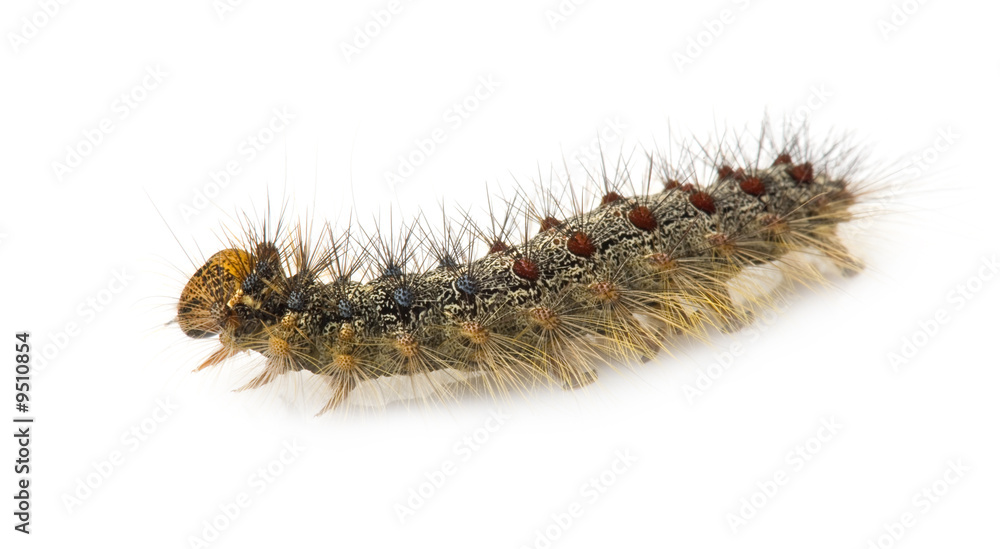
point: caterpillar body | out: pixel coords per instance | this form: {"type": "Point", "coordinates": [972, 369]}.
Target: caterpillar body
{"type": "Point", "coordinates": [613, 284]}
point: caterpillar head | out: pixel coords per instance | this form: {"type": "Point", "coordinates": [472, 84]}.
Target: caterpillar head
{"type": "Point", "coordinates": [219, 294]}
{"type": "Point", "coordinates": [202, 310]}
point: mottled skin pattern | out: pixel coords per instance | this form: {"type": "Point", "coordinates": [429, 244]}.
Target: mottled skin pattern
{"type": "Point", "coordinates": [541, 300]}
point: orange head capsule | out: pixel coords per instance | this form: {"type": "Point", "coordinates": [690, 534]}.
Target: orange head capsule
{"type": "Point", "coordinates": [204, 309]}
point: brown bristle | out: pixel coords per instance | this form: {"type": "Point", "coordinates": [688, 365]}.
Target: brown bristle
{"type": "Point", "coordinates": [549, 223]}
{"type": "Point", "coordinates": [580, 245]}
{"type": "Point", "coordinates": [526, 269]}
{"type": "Point", "coordinates": [267, 251]}
{"type": "Point", "coordinates": [498, 246]}
{"type": "Point", "coordinates": [802, 173]}
{"type": "Point", "coordinates": [843, 195]}
{"type": "Point", "coordinates": [703, 201]}
{"type": "Point", "coordinates": [642, 218]}
{"type": "Point", "coordinates": [783, 158]}
{"type": "Point", "coordinates": [753, 186]}
{"type": "Point", "coordinates": [610, 198]}
{"type": "Point", "coordinates": [728, 172]}
{"type": "Point", "coordinates": [688, 188]}
{"type": "Point", "coordinates": [671, 184]}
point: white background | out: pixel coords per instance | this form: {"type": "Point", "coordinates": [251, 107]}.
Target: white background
{"type": "Point", "coordinates": [695, 459]}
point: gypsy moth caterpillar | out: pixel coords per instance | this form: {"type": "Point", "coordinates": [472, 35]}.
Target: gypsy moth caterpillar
{"type": "Point", "coordinates": [610, 274]}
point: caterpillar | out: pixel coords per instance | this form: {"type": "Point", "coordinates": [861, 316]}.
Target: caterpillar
{"type": "Point", "coordinates": [545, 293]}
